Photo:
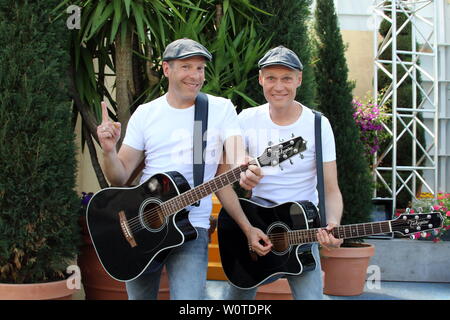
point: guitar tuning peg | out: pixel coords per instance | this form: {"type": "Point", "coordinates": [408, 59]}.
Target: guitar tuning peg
{"type": "Point", "coordinates": [301, 156]}
{"type": "Point", "coordinates": [292, 135]}
{"type": "Point", "coordinates": [269, 143]}
{"type": "Point", "coordinates": [281, 140]}
{"type": "Point", "coordinates": [281, 168]}
{"type": "Point", "coordinates": [290, 160]}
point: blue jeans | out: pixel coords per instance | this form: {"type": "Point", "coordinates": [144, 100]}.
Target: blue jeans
{"type": "Point", "coordinates": [305, 286]}
{"type": "Point", "coordinates": [186, 267]}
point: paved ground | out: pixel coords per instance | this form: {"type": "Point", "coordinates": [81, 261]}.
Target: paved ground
{"type": "Point", "coordinates": [387, 290]}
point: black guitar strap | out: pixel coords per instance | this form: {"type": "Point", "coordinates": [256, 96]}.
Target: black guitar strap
{"type": "Point", "coordinates": [319, 166]}
{"type": "Point", "coordinates": [199, 138]}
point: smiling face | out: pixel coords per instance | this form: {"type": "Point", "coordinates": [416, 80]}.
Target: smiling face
{"type": "Point", "coordinates": [186, 77]}
{"type": "Point", "coordinates": [279, 85]}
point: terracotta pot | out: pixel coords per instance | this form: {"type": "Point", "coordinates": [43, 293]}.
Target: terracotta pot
{"type": "Point", "coordinates": [346, 269]}
{"type": "Point", "coordinates": [57, 290]}
{"type": "Point", "coordinates": [277, 290]}
{"type": "Point", "coordinates": [97, 283]}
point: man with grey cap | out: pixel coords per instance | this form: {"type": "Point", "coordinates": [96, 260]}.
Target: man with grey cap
{"type": "Point", "coordinates": [161, 133]}
{"type": "Point", "coordinates": [279, 119]}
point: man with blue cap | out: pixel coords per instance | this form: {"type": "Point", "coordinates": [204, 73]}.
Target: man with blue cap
{"type": "Point", "coordinates": [281, 118]}
{"type": "Point", "coordinates": [161, 133]}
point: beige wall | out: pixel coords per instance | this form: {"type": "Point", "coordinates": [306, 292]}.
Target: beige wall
{"type": "Point", "coordinates": [86, 178]}
{"type": "Point", "coordinates": [359, 57]}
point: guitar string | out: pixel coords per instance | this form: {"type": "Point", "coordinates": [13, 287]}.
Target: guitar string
{"type": "Point", "coordinates": [311, 233]}
{"type": "Point", "coordinates": [135, 223]}
{"type": "Point", "coordinates": [359, 228]}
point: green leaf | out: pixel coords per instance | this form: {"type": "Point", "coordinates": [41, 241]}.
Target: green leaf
{"type": "Point", "coordinates": [139, 17]}
{"type": "Point", "coordinates": [252, 102]}
{"type": "Point", "coordinates": [175, 10]}
{"type": "Point", "coordinates": [127, 7]}
{"type": "Point", "coordinates": [116, 20]}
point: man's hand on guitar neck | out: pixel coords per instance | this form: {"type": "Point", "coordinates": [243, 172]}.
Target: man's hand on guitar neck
{"type": "Point", "coordinates": [326, 238]}
{"type": "Point", "coordinates": [251, 177]}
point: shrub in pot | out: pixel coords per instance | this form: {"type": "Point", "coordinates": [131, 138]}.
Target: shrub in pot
{"type": "Point", "coordinates": [38, 204]}
{"type": "Point", "coordinates": [335, 101]}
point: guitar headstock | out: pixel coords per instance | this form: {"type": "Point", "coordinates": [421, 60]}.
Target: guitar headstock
{"type": "Point", "coordinates": [277, 153]}
{"type": "Point", "coordinates": [407, 224]}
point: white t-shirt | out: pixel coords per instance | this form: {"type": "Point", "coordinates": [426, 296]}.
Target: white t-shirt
{"type": "Point", "coordinates": [295, 182]}
{"type": "Point", "coordinates": [165, 135]}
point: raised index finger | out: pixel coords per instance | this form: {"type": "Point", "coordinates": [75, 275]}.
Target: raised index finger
{"type": "Point", "coordinates": [105, 117]}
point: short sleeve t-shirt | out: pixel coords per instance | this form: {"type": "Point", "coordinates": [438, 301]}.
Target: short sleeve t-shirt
{"type": "Point", "coordinates": [165, 135]}
{"type": "Point", "coordinates": [295, 181]}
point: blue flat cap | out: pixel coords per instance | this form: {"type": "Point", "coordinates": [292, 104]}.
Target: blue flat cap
{"type": "Point", "coordinates": [185, 48]}
{"type": "Point", "coordinates": [281, 56]}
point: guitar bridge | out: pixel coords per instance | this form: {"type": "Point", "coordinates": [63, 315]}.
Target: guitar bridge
{"type": "Point", "coordinates": [126, 229]}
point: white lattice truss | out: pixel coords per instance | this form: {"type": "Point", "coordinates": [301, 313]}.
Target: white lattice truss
{"type": "Point", "coordinates": [424, 32]}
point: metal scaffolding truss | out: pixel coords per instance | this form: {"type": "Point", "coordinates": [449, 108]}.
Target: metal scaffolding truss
{"type": "Point", "coordinates": [405, 121]}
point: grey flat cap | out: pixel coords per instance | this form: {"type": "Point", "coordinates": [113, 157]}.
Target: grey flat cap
{"type": "Point", "coordinates": [281, 56]}
{"type": "Point", "coordinates": [185, 48]}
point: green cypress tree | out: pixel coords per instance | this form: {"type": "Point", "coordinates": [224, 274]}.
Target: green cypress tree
{"type": "Point", "coordinates": [288, 26]}
{"type": "Point", "coordinates": [334, 99]}
{"type": "Point", "coordinates": [38, 204]}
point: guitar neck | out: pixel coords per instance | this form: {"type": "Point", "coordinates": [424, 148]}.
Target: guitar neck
{"type": "Point", "coordinates": [193, 195]}
{"type": "Point", "coordinates": [341, 232]}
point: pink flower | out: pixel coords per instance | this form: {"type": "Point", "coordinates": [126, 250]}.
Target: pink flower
{"type": "Point", "coordinates": [411, 211]}
{"type": "Point", "coordinates": [447, 213]}
{"type": "Point", "coordinates": [437, 207]}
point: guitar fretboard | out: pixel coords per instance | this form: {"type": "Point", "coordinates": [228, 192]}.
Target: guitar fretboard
{"type": "Point", "coordinates": [193, 195]}
{"type": "Point", "coordinates": [341, 232]}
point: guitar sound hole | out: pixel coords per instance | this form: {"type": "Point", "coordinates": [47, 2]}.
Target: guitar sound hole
{"type": "Point", "coordinates": [152, 216]}
{"type": "Point", "coordinates": [278, 236]}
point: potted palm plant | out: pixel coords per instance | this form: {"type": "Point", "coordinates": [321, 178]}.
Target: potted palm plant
{"type": "Point", "coordinates": [38, 204]}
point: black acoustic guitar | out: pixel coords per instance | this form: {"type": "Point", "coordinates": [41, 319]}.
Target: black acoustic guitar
{"type": "Point", "coordinates": [135, 228]}
{"type": "Point", "coordinates": [290, 227]}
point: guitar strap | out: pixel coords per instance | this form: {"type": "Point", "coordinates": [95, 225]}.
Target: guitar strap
{"type": "Point", "coordinates": [319, 166]}
{"type": "Point", "coordinates": [199, 138]}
